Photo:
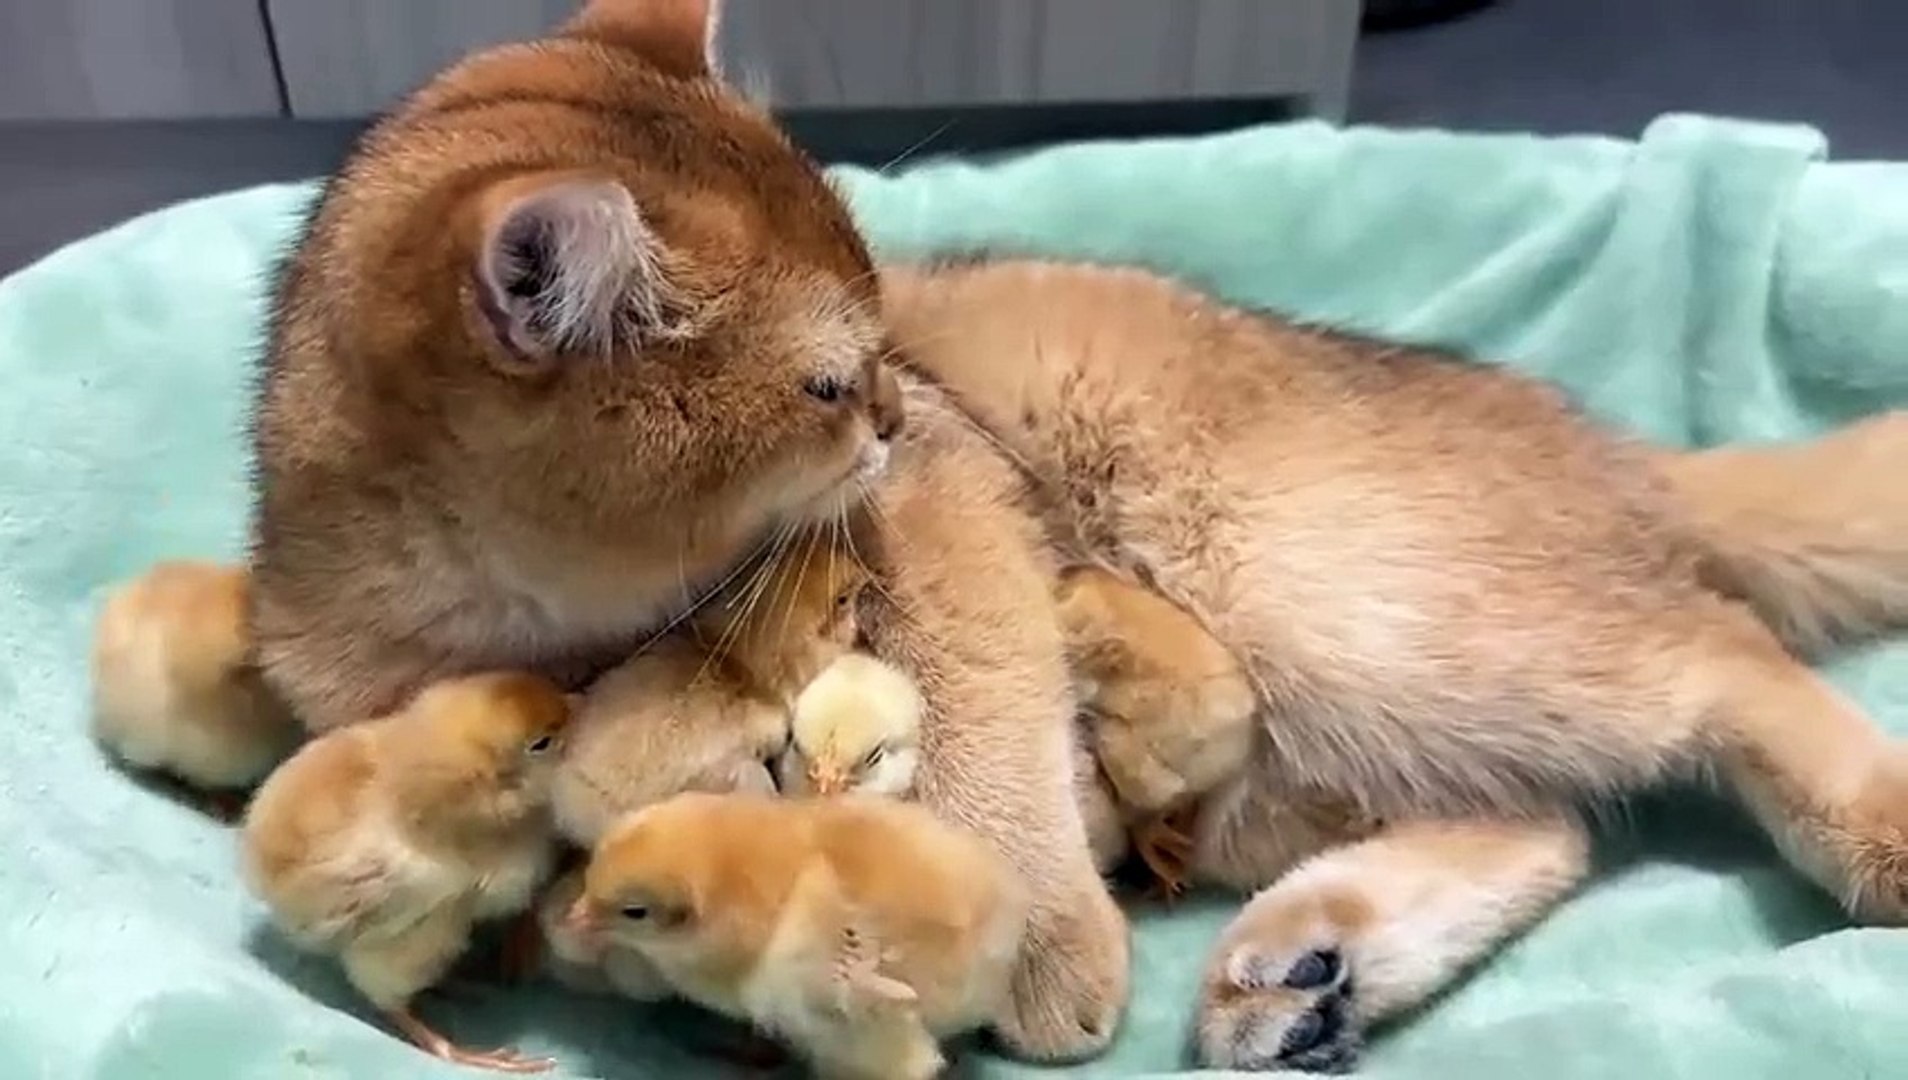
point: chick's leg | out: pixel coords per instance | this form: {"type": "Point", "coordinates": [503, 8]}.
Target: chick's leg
{"type": "Point", "coordinates": [391, 968]}
{"type": "Point", "coordinates": [1164, 843]}
{"type": "Point", "coordinates": [429, 1040]}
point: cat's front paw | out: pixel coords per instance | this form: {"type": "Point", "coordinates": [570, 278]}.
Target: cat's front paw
{"type": "Point", "coordinates": [1266, 1009]}
{"type": "Point", "coordinates": [1070, 988]}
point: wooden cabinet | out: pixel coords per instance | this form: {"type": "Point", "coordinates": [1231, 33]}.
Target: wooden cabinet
{"type": "Point", "coordinates": [999, 52]}
{"type": "Point", "coordinates": [333, 58]}
{"type": "Point", "coordinates": [123, 59]}
{"type": "Point", "coordinates": [354, 57]}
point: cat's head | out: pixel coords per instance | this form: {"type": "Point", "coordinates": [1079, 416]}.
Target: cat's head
{"type": "Point", "coordinates": [578, 287]}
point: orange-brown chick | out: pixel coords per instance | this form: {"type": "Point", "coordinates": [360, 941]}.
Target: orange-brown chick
{"type": "Point", "coordinates": [384, 842]}
{"type": "Point", "coordinates": [174, 688]}
{"type": "Point", "coordinates": [584, 961]}
{"type": "Point", "coordinates": [1105, 819]}
{"type": "Point", "coordinates": [862, 930]}
{"type": "Point", "coordinates": [790, 615]}
{"type": "Point", "coordinates": [1170, 711]}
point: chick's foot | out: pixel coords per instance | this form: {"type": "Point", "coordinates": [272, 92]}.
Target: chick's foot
{"type": "Point", "coordinates": [429, 1040]}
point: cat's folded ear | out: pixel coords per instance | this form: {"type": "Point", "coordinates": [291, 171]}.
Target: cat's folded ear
{"type": "Point", "coordinates": [676, 36]}
{"type": "Point", "coordinates": [565, 265]}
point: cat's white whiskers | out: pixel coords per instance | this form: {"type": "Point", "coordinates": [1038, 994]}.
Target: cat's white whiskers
{"type": "Point", "coordinates": [741, 565]}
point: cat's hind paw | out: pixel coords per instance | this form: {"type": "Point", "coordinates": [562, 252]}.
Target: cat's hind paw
{"type": "Point", "coordinates": [1266, 1010]}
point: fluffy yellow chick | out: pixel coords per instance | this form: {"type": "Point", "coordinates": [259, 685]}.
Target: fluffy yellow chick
{"type": "Point", "coordinates": [707, 708]}
{"type": "Point", "coordinates": [1170, 711]}
{"type": "Point", "coordinates": [861, 930]}
{"type": "Point", "coordinates": [589, 963]}
{"type": "Point", "coordinates": [174, 689]}
{"type": "Point", "coordinates": [583, 961]}
{"type": "Point", "coordinates": [663, 723]}
{"type": "Point", "coordinates": [856, 727]}
{"type": "Point", "coordinates": [384, 842]}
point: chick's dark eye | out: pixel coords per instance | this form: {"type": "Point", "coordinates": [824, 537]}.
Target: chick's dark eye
{"type": "Point", "coordinates": [825, 388]}
{"type": "Point", "coordinates": [539, 744]}
{"type": "Point", "coordinates": [636, 912]}
{"type": "Point", "coordinates": [844, 600]}
{"type": "Point", "coordinates": [874, 757]}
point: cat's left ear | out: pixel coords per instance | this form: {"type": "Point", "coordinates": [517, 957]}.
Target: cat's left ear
{"type": "Point", "coordinates": [677, 36]}
{"type": "Point", "coordinates": [566, 265]}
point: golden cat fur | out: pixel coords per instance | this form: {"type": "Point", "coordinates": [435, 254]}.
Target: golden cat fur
{"type": "Point", "coordinates": [1458, 599]}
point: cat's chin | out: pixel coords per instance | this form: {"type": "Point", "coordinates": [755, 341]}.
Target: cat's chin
{"type": "Point", "coordinates": [843, 497]}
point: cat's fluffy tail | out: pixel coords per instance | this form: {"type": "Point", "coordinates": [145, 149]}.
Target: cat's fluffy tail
{"type": "Point", "coordinates": [1812, 535]}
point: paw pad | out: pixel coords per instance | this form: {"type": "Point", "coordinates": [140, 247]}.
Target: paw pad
{"type": "Point", "coordinates": [1317, 968]}
{"type": "Point", "coordinates": [1297, 1013]}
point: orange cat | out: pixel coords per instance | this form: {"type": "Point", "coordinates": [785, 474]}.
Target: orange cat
{"type": "Point", "coordinates": [573, 333]}
{"type": "Point", "coordinates": [1456, 598]}
{"type": "Point", "coordinates": [537, 373]}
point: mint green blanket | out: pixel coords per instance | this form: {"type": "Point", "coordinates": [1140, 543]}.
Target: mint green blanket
{"type": "Point", "coordinates": [1711, 281]}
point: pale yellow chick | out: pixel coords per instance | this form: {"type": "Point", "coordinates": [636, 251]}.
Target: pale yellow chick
{"type": "Point", "coordinates": [663, 722]}
{"type": "Point", "coordinates": [385, 841]}
{"type": "Point", "coordinates": [861, 930]}
{"type": "Point", "coordinates": [856, 727]}
{"type": "Point", "coordinates": [174, 688]}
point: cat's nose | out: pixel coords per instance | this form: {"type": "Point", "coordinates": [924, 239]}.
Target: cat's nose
{"type": "Point", "coordinates": [882, 391]}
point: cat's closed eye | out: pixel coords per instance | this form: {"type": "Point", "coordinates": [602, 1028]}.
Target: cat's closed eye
{"type": "Point", "coordinates": [825, 388]}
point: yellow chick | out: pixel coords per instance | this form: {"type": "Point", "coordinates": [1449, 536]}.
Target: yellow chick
{"type": "Point", "coordinates": [1170, 711]}
{"type": "Point", "coordinates": [384, 842]}
{"type": "Point", "coordinates": [661, 724]}
{"type": "Point", "coordinates": [855, 728]}
{"type": "Point", "coordinates": [174, 689]}
{"type": "Point", "coordinates": [707, 708]}
{"type": "Point", "coordinates": [586, 962]}
{"type": "Point", "coordinates": [589, 963]}
{"type": "Point", "coordinates": [861, 930]}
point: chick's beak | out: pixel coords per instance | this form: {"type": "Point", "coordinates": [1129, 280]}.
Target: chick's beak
{"type": "Point", "coordinates": [825, 782]}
